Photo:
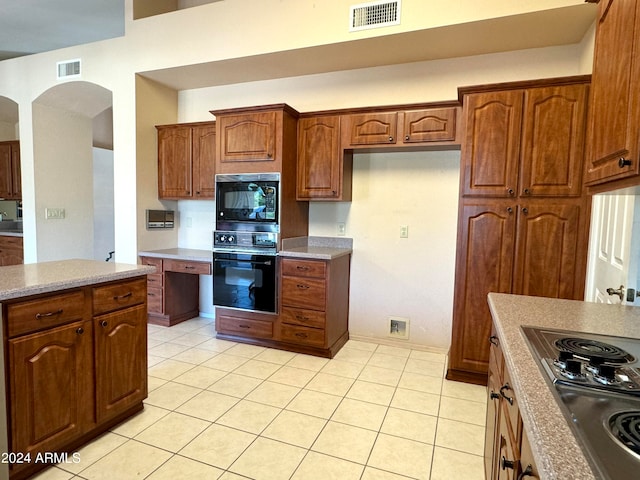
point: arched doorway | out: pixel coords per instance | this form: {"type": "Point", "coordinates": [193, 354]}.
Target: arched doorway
{"type": "Point", "coordinates": [11, 206]}
{"type": "Point", "coordinates": [73, 172]}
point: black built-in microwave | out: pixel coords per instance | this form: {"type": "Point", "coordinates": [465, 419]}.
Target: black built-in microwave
{"type": "Point", "coordinates": [248, 201]}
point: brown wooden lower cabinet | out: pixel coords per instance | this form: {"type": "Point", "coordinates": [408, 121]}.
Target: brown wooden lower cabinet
{"type": "Point", "coordinates": [524, 246]}
{"type": "Point", "coordinates": [314, 310]}
{"type": "Point", "coordinates": [77, 365]}
{"type": "Point", "coordinates": [174, 290]}
{"type": "Point", "coordinates": [11, 251]}
{"type": "Point", "coordinates": [507, 453]}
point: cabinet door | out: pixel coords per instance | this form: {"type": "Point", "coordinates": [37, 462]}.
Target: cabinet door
{"type": "Point", "coordinates": [5, 170]}
{"type": "Point", "coordinates": [51, 385]}
{"type": "Point", "coordinates": [547, 251]}
{"type": "Point", "coordinates": [491, 145]}
{"type": "Point", "coordinates": [372, 129]}
{"type": "Point", "coordinates": [319, 158]}
{"type": "Point", "coordinates": [248, 137]}
{"type": "Point", "coordinates": [174, 162]}
{"type": "Point", "coordinates": [553, 138]}
{"type": "Point", "coordinates": [507, 459]}
{"type": "Point", "coordinates": [16, 173]}
{"type": "Point", "coordinates": [204, 161]}
{"type": "Point", "coordinates": [528, 468]}
{"type": "Point", "coordinates": [11, 251]}
{"type": "Point", "coordinates": [493, 417]}
{"type": "Point", "coordinates": [121, 361]}
{"type": "Point", "coordinates": [424, 126]}
{"type": "Point", "coordinates": [484, 263]}
{"type": "Point", "coordinates": [614, 116]}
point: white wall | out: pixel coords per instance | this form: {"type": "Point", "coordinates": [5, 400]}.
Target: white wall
{"type": "Point", "coordinates": [103, 194]}
{"type": "Point", "coordinates": [392, 276]}
{"type": "Point", "coordinates": [8, 131]}
{"type": "Point", "coordinates": [64, 179]}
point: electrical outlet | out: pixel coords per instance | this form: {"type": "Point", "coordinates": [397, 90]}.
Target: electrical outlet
{"type": "Point", "coordinates": [404, 231]}
{"type": "Point", "coordinates": [54, 213]}
{"type": "Point", "coordinates": [342, 229]}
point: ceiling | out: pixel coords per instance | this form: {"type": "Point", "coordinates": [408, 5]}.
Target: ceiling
{"type": "Point", "coordinates": [63, 23]}
{"type": "Point", "coordinates": [548, 28]}
{"type": "Point", "coordinates": [35, 26]}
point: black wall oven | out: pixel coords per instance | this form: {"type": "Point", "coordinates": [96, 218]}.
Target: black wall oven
{"type": "Point", "coordinates": [245, 280]}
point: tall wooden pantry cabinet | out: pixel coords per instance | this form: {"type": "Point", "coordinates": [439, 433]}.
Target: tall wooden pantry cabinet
{"type": "Point", "coordinates": [523, 219]}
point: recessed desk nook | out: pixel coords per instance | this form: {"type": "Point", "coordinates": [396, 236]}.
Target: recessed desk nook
{"type": "Point", "coordinates": [173, 292]}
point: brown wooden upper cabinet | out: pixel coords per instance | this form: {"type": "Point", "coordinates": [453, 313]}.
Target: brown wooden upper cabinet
{"type": "Point", "coordinates": [10, 180]}
{"type": "Point", "coordinates": [248, 137]}
{"type": "Point", "coordinates": [186, 160]}
{"type": "Point", "coordinates": [255, 139]}
{"type": "Point", "coordinates": [402, 128]}
{"type": "Point", "coordinates": [524, 142]}
{"type": "Point", "coordinates": [613, 150]}
{"type": "Point", "coordinates": [324, 170]}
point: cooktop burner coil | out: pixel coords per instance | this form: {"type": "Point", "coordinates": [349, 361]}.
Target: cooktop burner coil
{"type": "Point", "coordinates": [625, 428]}
{"type": "Point", "coordinates": [594, 350]}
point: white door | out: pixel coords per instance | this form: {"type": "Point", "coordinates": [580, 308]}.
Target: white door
{"type": "Point", "coordinates": [610, 258]}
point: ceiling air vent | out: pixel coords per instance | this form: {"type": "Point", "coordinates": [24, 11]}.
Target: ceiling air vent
{"type": "Point", "coordinates": [374, 15]}
{"type": "Point", "coordinates": [68, 69]}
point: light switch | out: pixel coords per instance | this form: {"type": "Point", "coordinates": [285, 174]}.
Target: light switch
{"type": "Point", "coordinates": [54, 213]}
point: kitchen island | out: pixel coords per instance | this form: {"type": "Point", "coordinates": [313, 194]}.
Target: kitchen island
{"type": "Point", "coordinates": [556, 451]}
{"type": "Point", "coordinates": [74, 356]}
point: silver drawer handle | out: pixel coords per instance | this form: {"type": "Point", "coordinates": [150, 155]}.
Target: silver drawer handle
{"type": "Point", "coordinates": [49, 314]}
{"type": "Point", "coordinates": [122, 297]}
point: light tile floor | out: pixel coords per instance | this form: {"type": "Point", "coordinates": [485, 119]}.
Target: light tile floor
{"type": "Point", "coordinates": [223, 410]}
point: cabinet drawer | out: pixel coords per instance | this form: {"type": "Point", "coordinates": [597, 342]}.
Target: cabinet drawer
{"type": "Point", "coordinates": [7, 241]}
{"type": "Point", "coordinates": [304, 292]}
{"type": "Point", "coordinates": [304, 268]}
{"type": "Point", "coordinates": [296, 334]}
{"type": "Point", "coordinates": [245, 327]}
{"type": "Point", "coordinates": [154, 300]}
{"type": "Point", "coordinates": [185, 266]}
{"type": "Point", "coordinates": [33, 315]}
{"type": "Point", "coordinates": [155, 280]}
{"type": "Point", "coordinates": [154, 262]}
{"type": "Point", "coordinates": [119, 295]}
{"type": "Point", "coordinates": [300, 316]}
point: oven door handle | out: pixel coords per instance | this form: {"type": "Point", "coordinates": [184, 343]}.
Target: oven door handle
{"type": "Point", "coordinates": [252, 262]}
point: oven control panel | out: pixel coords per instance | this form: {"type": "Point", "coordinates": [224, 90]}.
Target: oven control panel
{"type": "Point", "coordinates": [245, 241]}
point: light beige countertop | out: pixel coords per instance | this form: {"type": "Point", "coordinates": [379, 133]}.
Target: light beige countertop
{"type": "Point", "coordinates": [35, 278]}
{"type": "Point", "coordinates": [6, 233]}
{"type": "Point", "coordinates": [555, 448]}
{"type": "Point", "coordinates": [321, 248]}
{"type": "Point", "coordinates": [180, 254]}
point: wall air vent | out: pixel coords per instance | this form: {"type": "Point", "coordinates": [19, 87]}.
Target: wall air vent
{"type": "Point", "coordinates": [68, 69]}
{"type": "Point", "coordinates": [374, 14]}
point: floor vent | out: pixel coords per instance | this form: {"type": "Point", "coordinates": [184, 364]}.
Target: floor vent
{"type": "Point", "coordinates": [374, 15]}
{"type": "Point", "coordinates": [68, 69]}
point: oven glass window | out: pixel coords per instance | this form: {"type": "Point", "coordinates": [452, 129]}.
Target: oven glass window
{"type": "Point", "coordinates": [244, 281]}
{"type": "Point", "coordinates": [243, 277]}
{"type": "Point", "coordinates": [248, 201]}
